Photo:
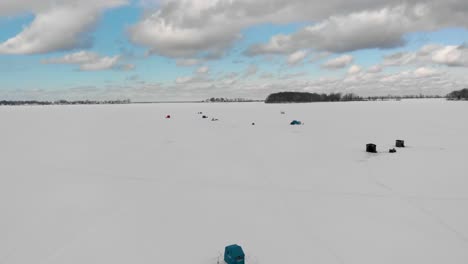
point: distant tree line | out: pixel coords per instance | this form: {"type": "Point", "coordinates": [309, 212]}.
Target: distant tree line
{"type": "Point", "coordinates": [7, 102]}
{"type": "Point", "coordinates": [303, 97]}
{"type": "Point", "coordinates": [228, 100]}
{"type": "Point", "coordinates": [399, 97]}
{"type": "Point", "coordinates": [85, 102]}
{"type": "Point", "coordinates": [63, 102]}
{"type": "Point", "coordinates": [458, 95]}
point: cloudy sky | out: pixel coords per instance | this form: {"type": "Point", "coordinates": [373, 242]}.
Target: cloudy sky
{"type": "Point", "coordinates": [194, 49]}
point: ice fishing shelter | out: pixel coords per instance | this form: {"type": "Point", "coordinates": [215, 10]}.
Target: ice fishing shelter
{"type": "Point", "coordinates": [234, 254]}
{"type": "Point", "coordinates": [296, 122]}
{"type": "Point", "coordinates": [400, 143]}
{"type": "Point", "coordinates": [372, 148]}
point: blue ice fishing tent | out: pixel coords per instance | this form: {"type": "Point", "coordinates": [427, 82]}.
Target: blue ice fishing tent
{"type": "Point", "coordinates": [296, 122]}
{"type": "Point", "coordinates": [234, 254]}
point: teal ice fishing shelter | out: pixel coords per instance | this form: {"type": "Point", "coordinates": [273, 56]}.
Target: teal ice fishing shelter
{"type": "Point", "coordinates": [296, 122]}
{"type": "Point", "coordinates": [234, 254]}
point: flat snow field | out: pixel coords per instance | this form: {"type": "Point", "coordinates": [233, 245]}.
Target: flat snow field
{"type": "Point", "coordinates": [122, 184]}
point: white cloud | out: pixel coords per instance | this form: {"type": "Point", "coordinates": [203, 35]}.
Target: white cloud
{"type": "Point", "coordinates": [292, 76]}
{"type": "Point", "coordinates": [427, 79]}
{"type": "Point", "coordinates": [297, 57]}
{"type": "Point", "coordinates": [452, 56]}
{"type": "Point", "coordinates": [381, 28]}
{"type": "Point", "coordinates": [18, 7]}
{"type": "Point", "coordinates": [233, 85]}
{"type": "Point", "coordinates": [203, 70]}
{"type": "Point", "coordinates": [338, 63]}
{"type": "Point", "coordinates": [428, 49]}
{"type": "Point", "coordinates": [399, 59]}
{"type": "Point", "coordinates": [355, 69]}
{"type": "Point", "coordinates": [194, 79]}
{"type": "Point", "coordinates": [62, 26]}
{"type": "Point", "coordinates": [185, 28]}
{"type": "Point", "coordinates": [188, 62]}
{"type": "Point", "coordinates": [103, 63]}
{"type": "Point", "coordinates": [375, 69]}
{"type": "Point", "coordinates": [80, 57]}
{"type": "Point", "coordinates": [90, 61]}
{"type": "Point", "coordinates": [424, 72]}
{"type": "Point", "coordinates": [184, 79]}
{"type": "Point", "coordinates": [178, 30]}
{"type": "Point", "coordinates": [228, 79]}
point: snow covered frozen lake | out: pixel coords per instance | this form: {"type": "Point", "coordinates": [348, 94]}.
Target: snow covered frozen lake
{"type": "Point", "coordinates": [121, 184]}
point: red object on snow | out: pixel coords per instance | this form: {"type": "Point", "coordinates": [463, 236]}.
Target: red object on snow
{"type": "Point", "coordinates": [168, 116]}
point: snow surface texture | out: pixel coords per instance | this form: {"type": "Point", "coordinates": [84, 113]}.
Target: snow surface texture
{"type": "Point", "coordinates": [123, 184]}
